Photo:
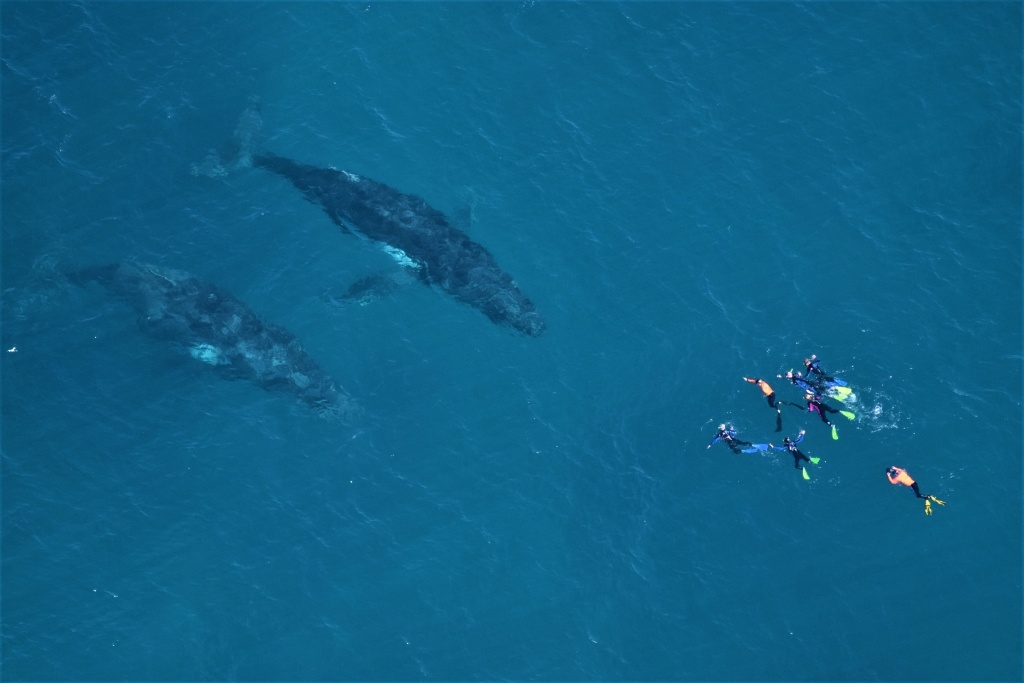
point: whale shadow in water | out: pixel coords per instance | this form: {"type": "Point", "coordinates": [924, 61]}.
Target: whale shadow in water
{"type": "Point", "coordinates": [417, 235]}
{"type": "Point", "coordinates": [218, 329]}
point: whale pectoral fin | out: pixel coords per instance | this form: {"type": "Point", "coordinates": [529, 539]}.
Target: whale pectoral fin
{"type": "Point", "coordinates": [370, 288]}
{"type": "Point", "coordinates": [463, 216]}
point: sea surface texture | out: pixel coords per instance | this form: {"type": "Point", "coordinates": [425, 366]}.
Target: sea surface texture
{"type": "Point", "coordinates": [688, 193]}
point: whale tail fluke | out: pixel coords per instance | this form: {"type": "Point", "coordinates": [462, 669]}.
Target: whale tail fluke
{"type": "Point", "coordinates": [247, 132]}
{"type": "Point", "coordinates": [239, 154]}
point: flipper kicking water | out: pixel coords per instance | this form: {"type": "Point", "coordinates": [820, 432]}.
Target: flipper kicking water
{"type": "Point", "coordinates": [928, 504]}
{"type": "Point", "coordinates": [808, 384]}
{"type": "Point", "coordinates": [840, 393]}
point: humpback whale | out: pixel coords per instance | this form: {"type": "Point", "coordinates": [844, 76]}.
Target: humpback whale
{"type": "Point", "coordinates": [217, 329]}
{"type": "Point", "coordinates": [415, 234]}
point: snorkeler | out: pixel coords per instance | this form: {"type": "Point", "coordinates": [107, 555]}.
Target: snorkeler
{"type": "Point", "coordinates": [790, 445]}
{"type": "Point", "coordinates": [769, 394]}
{"type": "Point", "coordinates": [816, 405]}
{"type": "Point", "coordinates": [800, 381]}
{"type": "Point", "coordinates": [897, 476]}
{"type": "Point", "coordinates": [728, 435]}
{"type": "Point", "coordinates": [813, 366]}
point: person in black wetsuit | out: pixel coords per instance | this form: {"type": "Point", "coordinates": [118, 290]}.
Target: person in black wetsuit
{"type": "Point", "coordinates": [789, 445]}
{"type": "Point", "coordinates": [728, 435]}
{"type": "Point", "coordinates": [815, 405]}
{"type": "Point", "coordinates": [816, 375]}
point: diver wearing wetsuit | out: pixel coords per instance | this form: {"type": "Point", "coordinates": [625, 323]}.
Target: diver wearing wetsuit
{"type": "Point", "coordinates": [816, 375]}
{"type": "Point", "coordinates": [801, 382]}
{"type": "Point", "coordinates": [766, 389]}
{"type": "Point", "coordinates": [788, 445]}
{"type": "Point", "coordinates": [728, 435]}
{"type": "Point", "coordinates": [897, 476]}
{"type": "Point", "coordinates": [815, 405]}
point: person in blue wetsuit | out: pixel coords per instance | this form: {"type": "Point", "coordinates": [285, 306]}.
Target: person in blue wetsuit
{"type": "Point", "coordinates": [728, 435]}
{"type": "Point", "coordinates": [800, 381]}
{"type": "Point", "coordinates": [790, 445]}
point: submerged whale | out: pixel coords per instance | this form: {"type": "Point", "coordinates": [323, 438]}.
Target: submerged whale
{"type": "Point", "coordinates": [417, 235]}
{"type": "Point", "coordinates": [217, 329]}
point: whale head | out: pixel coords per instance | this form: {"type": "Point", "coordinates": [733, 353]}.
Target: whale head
{"type": "Point", "coordinates": [508, 306]}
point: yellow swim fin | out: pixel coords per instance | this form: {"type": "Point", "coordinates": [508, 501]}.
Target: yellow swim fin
{"type": "Point", "coordinates": [927, 507]}
{"type": "Point", "coordinates": [936, 500]}
{"type": "Point", "coordinates": [804, 470]}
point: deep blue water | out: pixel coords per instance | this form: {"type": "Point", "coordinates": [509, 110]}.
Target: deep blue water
{"type": "Point", "coordinates": [689, 193]}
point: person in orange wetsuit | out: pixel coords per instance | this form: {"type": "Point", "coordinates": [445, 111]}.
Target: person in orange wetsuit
{"type": "Point", "coordinates": [766, 389]}
{"type": "Point", "coordinates": [897, 476]}
{"type": "Point", "coordinates": [900, 476]}
{"type": "Point", "coordinates": [769, 394]}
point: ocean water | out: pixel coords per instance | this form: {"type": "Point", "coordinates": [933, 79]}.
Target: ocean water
{"type": "Point", "coordinates": [688, 192]}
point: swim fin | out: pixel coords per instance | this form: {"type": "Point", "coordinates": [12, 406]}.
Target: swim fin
{"type": "Point", "coordinates": [815, 461]}
{"type": "Point", "coordinates": [835, 434]}
{"type": "Point", "coordinates": [936, 500]}
{"type": "Point", "coordinates": [756, 447]}
{"type": "Point", "coordinates": [927, 507]}
{"type": "Point", "coordinates": [804, 471]}
{"type": "Point", "coordinates": [840, 393]}
{"type": "Point", "coordinates": [848, 414]}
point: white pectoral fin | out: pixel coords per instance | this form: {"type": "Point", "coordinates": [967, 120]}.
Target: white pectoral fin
{"type": "Point", "coordinates": [207, 353]}
{"type": "Point", "coordinates": [400, 257]}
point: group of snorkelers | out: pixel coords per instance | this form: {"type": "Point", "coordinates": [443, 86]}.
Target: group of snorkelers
{"type": "Point", "coordinates": [815, 384]}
